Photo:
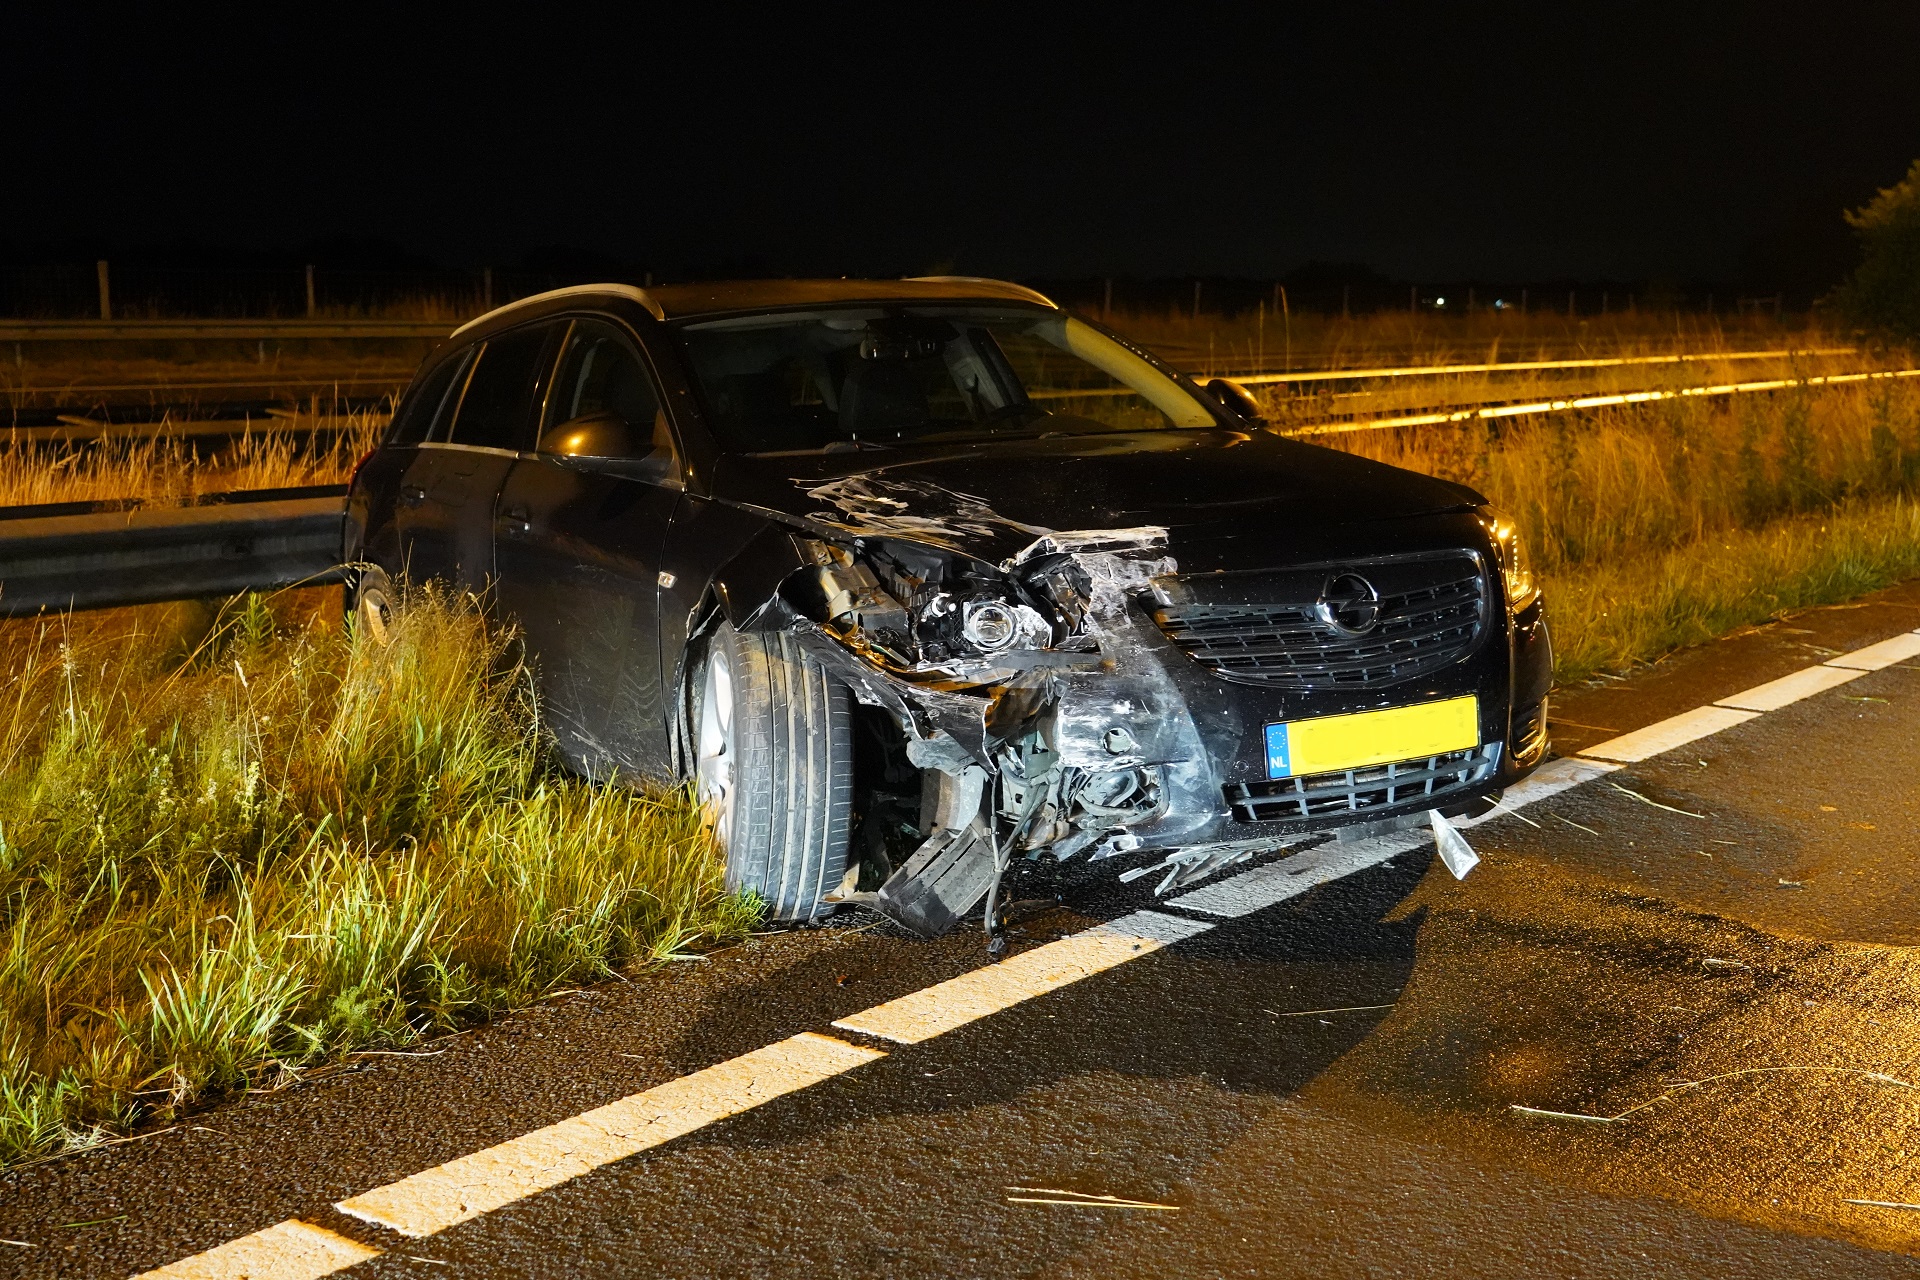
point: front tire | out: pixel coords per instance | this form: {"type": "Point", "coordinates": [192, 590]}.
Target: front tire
{"type": "Point", "coordinates": [773, 762]}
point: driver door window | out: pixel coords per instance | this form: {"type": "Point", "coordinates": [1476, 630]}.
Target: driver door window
{"type": "Point", "coordinates": [601, 373]}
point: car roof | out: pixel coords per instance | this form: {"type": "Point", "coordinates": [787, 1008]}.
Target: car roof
{"type": "Point", "coordinates": [679, 301]}
{"type": "Point", "coordinates": [728, 297]}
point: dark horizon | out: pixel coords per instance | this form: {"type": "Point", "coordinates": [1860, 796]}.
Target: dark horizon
{"type": "Point", "coordinates": [1692, 147]}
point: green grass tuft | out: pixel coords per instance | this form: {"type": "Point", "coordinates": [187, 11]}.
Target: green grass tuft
{"type": "Point", "coordinates": [217, 870]}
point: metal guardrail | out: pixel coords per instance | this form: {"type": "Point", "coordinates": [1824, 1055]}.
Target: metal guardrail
{"type": "Point", "coordinates": [239, 330]}
{"type": "Point", "coordinates": [1488, 412]}
{"type": "Point", "coordinates": [93, 555]}
{"type": "Point", "coordinates": [1521, 366]}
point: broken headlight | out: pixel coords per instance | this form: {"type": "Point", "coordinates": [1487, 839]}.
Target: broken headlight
{"type": "Point", "coordinates": [1516, 566]}
{"type": "Point", "coordinates": [911, 606]}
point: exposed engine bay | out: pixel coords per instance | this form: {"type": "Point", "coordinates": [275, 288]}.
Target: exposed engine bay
{"type": "Point", "coordinates": [1034, 702]}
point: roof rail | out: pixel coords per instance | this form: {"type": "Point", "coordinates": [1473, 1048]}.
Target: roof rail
{"type": "Point", "coordinates": [1032, 294]}
{"type": "Point", "coordinates": [633, 292]}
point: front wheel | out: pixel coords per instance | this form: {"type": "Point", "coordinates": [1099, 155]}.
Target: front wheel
{"type": "Point", "coordinates": [773, 750]}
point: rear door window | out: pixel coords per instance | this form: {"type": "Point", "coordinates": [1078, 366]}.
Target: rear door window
{"type": "Point", "coordinates": [418, 412]}
{"type": "Point", "coordinates": [497, 410]}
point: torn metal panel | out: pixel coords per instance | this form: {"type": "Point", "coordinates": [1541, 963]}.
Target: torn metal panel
{"type": "Point", "coordinates": [872, 505]}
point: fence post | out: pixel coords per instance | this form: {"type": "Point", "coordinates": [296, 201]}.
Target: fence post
{"type": "Point", "coordinates": [1286, 319]}
{"type": "Point", "coordinates": [311, 309]}
{"type": "Point", "coordinates": [106, 299]}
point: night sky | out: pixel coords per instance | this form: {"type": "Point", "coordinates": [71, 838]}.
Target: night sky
{"type": "Point", "coordinates": [1628, 142]}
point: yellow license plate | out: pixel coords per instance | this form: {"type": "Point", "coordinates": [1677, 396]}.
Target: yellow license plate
{"type": "Point", "coordinates": [1372, 737]}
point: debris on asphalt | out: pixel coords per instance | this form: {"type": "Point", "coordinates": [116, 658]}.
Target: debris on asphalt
{"type": "Point", "coordinates": [1055, 1195]}
{"type": "Point", "coordinates": [1454, 849]}
{"type": "Point", "coordinates": [1509, 809]}
{"type": "Point", "coordinates": [1793, 884]}
{"type": "Point", "coordinates": [1877, 1204]}
{"type": "Point", "coordinates": [1351, 1008]}
{"type": "Point", "coordinates": [1561, 1115]}
{"type": "Point", "coordinates": [1627, 791]}
{"type": "Point", "coordinates": [1880, 1077]}
{"type": "Point", "coordinates": [19, 1244]}
{"type": "Point", "coordinates": [1715, 962]}
{"type": "Point", "coordinates": [1570, 822]}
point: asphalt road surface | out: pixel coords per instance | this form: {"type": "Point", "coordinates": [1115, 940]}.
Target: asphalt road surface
{"type": "Point", "coordinates": [1695, 971]}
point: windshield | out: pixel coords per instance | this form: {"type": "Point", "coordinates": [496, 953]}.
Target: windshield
{"type": "Point", "coordinates": [867, 375]}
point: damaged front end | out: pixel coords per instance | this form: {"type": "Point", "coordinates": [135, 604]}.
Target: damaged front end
{"type": "Point", "coordinates": [1033, 700]}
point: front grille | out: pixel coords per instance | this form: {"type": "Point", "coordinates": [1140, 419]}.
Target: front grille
{"type": "Point", "coordinates": [1284, 646]}
{"type": "Point", "coordinates": [1382, 786]}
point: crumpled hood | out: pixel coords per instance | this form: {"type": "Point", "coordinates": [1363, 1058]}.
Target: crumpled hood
{"type": "Point", "coordinates": [992, 498]}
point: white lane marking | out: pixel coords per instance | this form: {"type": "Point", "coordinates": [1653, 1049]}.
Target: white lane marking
{"type": "Point", "coordinates": [954, 1003]}
{"type": "Point", "coordinates": [1262, 887]}
{"type": "Point", "coordinates": [290, 1250]}
{"type": "Point", "coordinates": [437, 1198]}
{"type": "Point", "coordinates": [1665, 735]}
{"type": "Point", "coordinates": [1787, 690]}
{"type": "Point", "coordinates": [1877, 656]}
{"type": "Point", "coordinates": [1547, 780]}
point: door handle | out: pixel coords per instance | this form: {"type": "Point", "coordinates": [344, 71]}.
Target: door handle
{"type": "Point", "coordinates": [412, 495]}
{"type": "Point", "coordinates": [517, 519]}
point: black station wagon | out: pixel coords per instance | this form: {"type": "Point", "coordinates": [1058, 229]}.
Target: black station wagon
{"type": "Point", "coordinates": [914, 578]}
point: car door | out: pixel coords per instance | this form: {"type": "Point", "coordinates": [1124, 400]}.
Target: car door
{"type": "Point", "coordinates": [386, 489]}
{"type": "Point", "coordinates": [577, 545]}
{"type": "Point", "coordinates": [447, 494]}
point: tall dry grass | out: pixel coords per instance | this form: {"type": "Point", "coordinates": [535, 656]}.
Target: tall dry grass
{"type": "Point", "coordinates": [277, 454]}
{"type": "Point", "coordinates": [1661, 525]}
{"type": "Point", "coordinates": [225, 859]}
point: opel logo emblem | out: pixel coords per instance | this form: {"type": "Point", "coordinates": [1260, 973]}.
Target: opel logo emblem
{"type": "Point", "coordinates": [1348, 604]}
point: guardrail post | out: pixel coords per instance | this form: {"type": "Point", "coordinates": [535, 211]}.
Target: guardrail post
{"type": "Point", "coordinates": [106, 299]}
{"type": "Point", "coordinates": [311, 309]}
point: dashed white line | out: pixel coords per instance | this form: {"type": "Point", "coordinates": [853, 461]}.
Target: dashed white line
{"type": "Point", "coordinates": [1876, 657]}
{"type": "Point", "coordinates": [290, 1250]}
{"type": "Point", "coordinates": [437, 1198]}
{"type": "Point", "coordinates": [1787, 690]}
{"type": "Point", "coordinates": [941, 1008]}
{"type": "Point", "coordinates": [1665, 735]}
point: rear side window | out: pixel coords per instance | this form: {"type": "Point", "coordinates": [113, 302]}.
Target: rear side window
{"type": "Point", "coordinates": [497, 411]}
{"type": "Point", "coordinates": [418, 412]}
{"type": "Point", "coordinates": [602, 373]}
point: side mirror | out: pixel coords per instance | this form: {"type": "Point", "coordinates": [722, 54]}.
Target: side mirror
{"type": "Point", "coordinates": [606, 442]}
{"type": "Point", "coordinates": [591, 436]}
{"type": "Point", "coordinates": [1237, 400]}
